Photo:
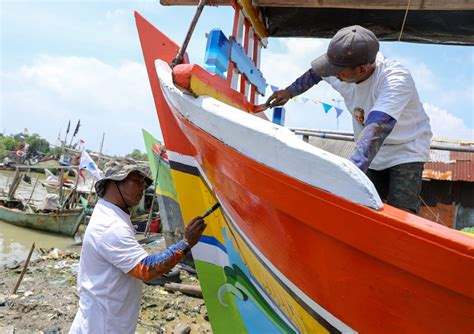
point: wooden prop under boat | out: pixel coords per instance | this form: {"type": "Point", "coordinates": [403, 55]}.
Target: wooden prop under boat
{"type": "Point", "coordinates": [302, 242]}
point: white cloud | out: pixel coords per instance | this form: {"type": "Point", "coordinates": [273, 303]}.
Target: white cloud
{"type": "Point", "coordinates": [446, 125]}
{"type": "Point", "coordinates": [422, 74]}
{"type": "Point", "coordinates": [116, 100]}
{"type": "Point", "coordinates": [464, 93]}
{"type": "Point", "coordinates": [288, 58]}
{"type": "Point", "coordinates": [285, 60]}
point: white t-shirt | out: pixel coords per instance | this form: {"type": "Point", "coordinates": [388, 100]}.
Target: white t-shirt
{"type": "Point", "coordinates": [390, 89]}
{"type": "Point", "coordinates": [109, 297]}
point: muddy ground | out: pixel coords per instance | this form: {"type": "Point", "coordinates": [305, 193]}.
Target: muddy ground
{"type": "Point", "coordinates": [47, 300]}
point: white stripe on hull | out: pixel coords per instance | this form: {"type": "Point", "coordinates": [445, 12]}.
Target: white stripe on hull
{"type": "Point", "coordinates": [271, 145]}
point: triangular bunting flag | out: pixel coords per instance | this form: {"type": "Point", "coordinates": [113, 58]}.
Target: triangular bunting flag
{"type": "Point", "coordinates": [273, 88]}
{"type": "Point", "coordinates": [304, 99]}
{"type": "Point", "coordinates": [316, 101]}
{"type": "Point", "coordinates": [338, 111]}
{"type": "Point", "coordinates": [326, 107]}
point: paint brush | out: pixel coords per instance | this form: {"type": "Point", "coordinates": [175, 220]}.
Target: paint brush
{"type": "Point", "coordinates": [210, 210]}
{"type": "Point", "coordinates": [260, 108]}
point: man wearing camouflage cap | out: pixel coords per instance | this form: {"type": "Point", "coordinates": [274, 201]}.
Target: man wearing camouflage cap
{"type": "Point", "coordinates": [112, 263]}
{"type": "Point", "coordinates": [391, 129]}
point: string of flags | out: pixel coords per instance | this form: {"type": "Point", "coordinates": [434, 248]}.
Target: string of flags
{"type": "Point", "coordinates": [326, 106]}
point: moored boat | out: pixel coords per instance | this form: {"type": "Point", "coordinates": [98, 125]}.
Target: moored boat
{"type": "Point", "coordinates": [303, 242]}
{"type": "Point", "coordinates": [60, 214]}
{"type": "Point", "coordinates": [64, 222]}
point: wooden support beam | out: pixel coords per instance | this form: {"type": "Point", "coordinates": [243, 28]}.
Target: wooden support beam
{"type": "Point", "coordinates": [371, 4]}
{"type": "Point", "coordinates": [361, 4]}
{"type": "Point", "coordinates": [195, 2]}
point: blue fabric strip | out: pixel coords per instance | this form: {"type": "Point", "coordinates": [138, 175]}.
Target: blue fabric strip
{"type": "Point", "coordinates": [303, 83]}
{"type": "Point", "coordinates": [164, 256]}
{"type": "Point", "coordinates": [377, 127]}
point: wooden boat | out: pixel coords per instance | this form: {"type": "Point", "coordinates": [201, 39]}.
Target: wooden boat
{"type": "Point", "coordinates": [62, 222]}
{"type": "Point", "coordinates": [82, 186]}
{"type": "Point", "coordinates": [302, 242]}
{"type": "Point", "coordinates": [62, 217]}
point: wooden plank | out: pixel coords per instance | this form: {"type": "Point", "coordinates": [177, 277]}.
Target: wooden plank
{"type": "Point", "coordinates": [363, 4]}
{"type": "Point", "coordinates": [195, 2]}
{"type": "Point", "coordinates": [252, 14]}
{"type": "Point", "coordinates": [371, 4]}
{"type": "Point", "coordinates": [243, 80]}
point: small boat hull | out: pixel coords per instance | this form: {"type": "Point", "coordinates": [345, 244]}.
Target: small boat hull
{"type": "Point", "coordinates": [66, 222]}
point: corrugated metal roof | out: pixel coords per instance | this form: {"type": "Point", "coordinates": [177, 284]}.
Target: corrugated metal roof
{"type": "Point", "coordinates": [450, 165]}
{"type": "Point", "coordinates": [338, 147]}
{"type": "Point", "coordinates": [444, 165]}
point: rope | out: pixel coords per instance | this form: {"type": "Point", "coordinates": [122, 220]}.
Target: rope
{"type": "Point", "coordinates": [404, 20]}
{"type": "Point", "coordinates": [432, 212]}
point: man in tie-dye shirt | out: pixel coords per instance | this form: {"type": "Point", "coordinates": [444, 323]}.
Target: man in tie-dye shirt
{"type": "Point", "coordinates": [113, 264]}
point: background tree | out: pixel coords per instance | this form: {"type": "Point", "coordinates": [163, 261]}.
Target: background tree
{"type": "Point", "coordinates": [38, 145]}
{"type": "Point", "coordinates": [138, 155]}
{"type": "Point", "coordinates": [8, 145]}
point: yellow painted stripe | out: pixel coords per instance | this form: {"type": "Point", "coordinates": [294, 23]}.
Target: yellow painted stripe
{"type": "Point", "coordinates": [201, 88]}
{"type": "Point", "coordinates": [297, 314]}
{"type": "Point", "coordinates": [194, 199]}
{"type": "Point", "coordinates": [251, 13]}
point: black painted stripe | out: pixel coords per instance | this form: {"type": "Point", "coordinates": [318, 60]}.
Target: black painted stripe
{"type": "Point", "coordinates": [184, 168]}
{"type": "Point", "coordinates": [330, 328]}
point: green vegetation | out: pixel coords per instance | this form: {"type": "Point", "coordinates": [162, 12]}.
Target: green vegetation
{"type": "Point", "coordinates": [10, 144]}
{"type": "Point", "coordinates": [39, 147]}
{"type": "Point", "coordinates": [468, 229]}
{"type": "Point", "coordinates": [138, 155]}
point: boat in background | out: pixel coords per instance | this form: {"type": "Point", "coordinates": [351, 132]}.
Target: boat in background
{"type": "Point", "coordinates": [303, 242]}
{"type": "Point", "coordinates": [165, 191]}
{"type": "Point", "coordinates": [83, 185]}
{"type": "Point", "coordinates": [57, 213]}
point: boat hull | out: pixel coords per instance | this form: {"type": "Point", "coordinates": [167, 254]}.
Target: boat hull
{"type": "Point", "coordinates": [286, 256]}
{"type": "Point", "coordinates": [334, 266]}
{"type": "Point", "coordinates": [66, 222]}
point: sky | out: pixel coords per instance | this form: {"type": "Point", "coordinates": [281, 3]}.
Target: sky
{"type": "Point", "coordinates": [63, 61]}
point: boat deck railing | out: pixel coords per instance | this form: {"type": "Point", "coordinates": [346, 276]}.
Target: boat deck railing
{"type": "Point", "coordinates": [349, 136]}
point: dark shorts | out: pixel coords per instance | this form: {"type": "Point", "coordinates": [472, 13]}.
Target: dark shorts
{"type": "Point", "coordinates": [399, 185]}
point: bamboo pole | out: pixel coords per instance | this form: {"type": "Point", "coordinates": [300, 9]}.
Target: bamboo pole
{"type": "Point", "coordinates": [24, 269]}
{"type": "Point", "coordinates": [14, 185]}
{"type": "Point", "coordinates": [34, 187]}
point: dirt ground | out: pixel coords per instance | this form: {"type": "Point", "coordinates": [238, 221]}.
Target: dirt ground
{"type": "Point", "coordinates": [47, 300]}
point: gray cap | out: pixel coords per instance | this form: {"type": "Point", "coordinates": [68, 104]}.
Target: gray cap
{"type": "Point", "coordinates": [118, 170]}
{"type": "Point", "coordinates": [350, 47]}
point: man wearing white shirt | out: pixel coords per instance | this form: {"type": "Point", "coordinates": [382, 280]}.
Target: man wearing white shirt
{"type": "Point", "coordinates": [112, 263]}
{"type": "Point", "coordinates": [391, 128]}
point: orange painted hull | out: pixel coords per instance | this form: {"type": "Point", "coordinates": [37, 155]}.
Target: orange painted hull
{"type": "Point", "coordinates": [381, 271]}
